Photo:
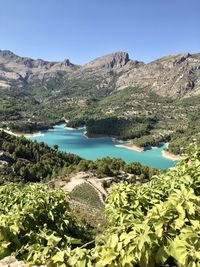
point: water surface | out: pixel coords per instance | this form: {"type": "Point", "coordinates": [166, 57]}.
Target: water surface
{"type": "Point", "coordinates": [75, 142]}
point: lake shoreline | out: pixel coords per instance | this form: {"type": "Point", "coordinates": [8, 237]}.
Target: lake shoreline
{"type": "Point", "coordinates": [166, 154]}
{"type": "Point", "coordinates": [22, 134]}
{"type": "Point", "coordinates": [132, 147]}
{"type": "Point", "coordinates": [170, 156]}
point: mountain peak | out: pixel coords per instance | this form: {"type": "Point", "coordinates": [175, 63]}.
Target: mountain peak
{"type": "Point", "coordinates": [7, 53]}
{"type": "Point", "coordinates": [114, 60]}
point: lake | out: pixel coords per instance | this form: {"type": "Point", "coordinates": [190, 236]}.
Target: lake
{"type": "Point", "coordinates": [74, 141]}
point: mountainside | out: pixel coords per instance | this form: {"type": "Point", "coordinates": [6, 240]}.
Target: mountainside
{"type": "Point", "coordinates": [151, 216]}
{"type": "Point", "coordinates": [148, 103]}
{"type": "Point", "coordinates": [173, 76]}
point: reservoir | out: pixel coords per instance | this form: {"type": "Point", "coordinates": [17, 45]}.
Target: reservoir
{"type": "Point", "coordinates": [74, 141]}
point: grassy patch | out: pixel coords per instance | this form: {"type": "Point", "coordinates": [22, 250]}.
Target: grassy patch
{"type": "Point", "coordinates": [87, 194]}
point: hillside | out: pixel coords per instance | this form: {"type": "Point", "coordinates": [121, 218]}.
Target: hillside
{"type": "Point", "coordinates": [19, 71]}
{"type": "Point", "coordinates": [150, 224]}
{"type": "Point", "coordinates": [173, 76]}
{"type": "Point", "coordinates": [24, 162]}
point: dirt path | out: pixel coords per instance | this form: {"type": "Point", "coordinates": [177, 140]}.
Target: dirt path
{"type": "Point", "coordinates": [75, 180]}
{"type": "Point", "coordinates": [73, 183]}
{"type": "Point", "coordinates": [98, 185]}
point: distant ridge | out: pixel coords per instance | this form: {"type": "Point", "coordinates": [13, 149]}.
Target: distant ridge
{"type": "Point", "coordinates": [174, 75]}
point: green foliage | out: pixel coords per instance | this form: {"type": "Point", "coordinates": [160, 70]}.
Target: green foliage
{"type": "Point", "coordinates": [31, 161]}
{"type": "Point", "coordinates": [115, 167]}
{"type": "Point", "coordinates": [40, 106]}
{"type": "Point", "coordinates": [140, 170]}
{"type": "Point", "coordinates": [147, 141]}
{"type": "Point", "coordinates": [35, 223]}
{"type": "Point", "coordinates": [157, 223]}
{"type": "Point", "coordinates": [153, 224]}
{"type": "Point", "coordinates": [120, 127]}
{"type": "Point", "coordinates": [182, 138]}
{"type": "Point", "coordinates": [108, 166]}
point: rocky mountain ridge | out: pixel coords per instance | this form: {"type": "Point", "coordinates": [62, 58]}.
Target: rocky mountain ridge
{"type": "Point", "coordinates": [172, 76]}
{"type": "Point", "coordinates": [18, 71]}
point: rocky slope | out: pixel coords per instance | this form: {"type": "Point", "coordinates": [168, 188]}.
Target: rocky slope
{"type": "Point", "coordinates": [173, 76]}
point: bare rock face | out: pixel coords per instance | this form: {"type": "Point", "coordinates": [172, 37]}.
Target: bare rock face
{"type": "Point", "coordinates": [112, 61]}
{"type": "Point", "coordinates": [118, 61]}
{"type": "Point", "coordinates": [8, 79]}
{"type": "Point", "coordinates": [173, 76]}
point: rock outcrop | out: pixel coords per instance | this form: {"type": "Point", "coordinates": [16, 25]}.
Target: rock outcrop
{"type": "Point", "coordinates": [112, 61]}
{"type": "Point", "coordinates": [115, 62]}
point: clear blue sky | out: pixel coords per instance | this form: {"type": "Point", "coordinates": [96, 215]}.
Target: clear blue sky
{"type": "Point", "coordinates": [84, 29]}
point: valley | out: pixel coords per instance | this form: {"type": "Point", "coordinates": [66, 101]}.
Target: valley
{"type": "Point", "coordinates": [94, 95]}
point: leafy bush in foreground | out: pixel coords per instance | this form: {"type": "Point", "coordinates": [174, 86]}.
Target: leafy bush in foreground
{"type": "Point", "coordinates": [152, 224]}
{"type": "Point", "coordinates": [35, 222]}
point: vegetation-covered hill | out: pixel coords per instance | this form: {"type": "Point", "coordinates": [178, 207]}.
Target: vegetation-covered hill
{"type": "Point", "coordinates": [151, 224]}
{"type": "Point", "coordinates": [26, 161]}
{"type": "Point", "coordinates": [23, 110]}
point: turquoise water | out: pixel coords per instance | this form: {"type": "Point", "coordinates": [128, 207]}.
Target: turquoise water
{"type": "Point", "coordinates": [93, 148]}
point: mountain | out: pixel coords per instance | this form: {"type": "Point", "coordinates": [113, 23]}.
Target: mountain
{"type": "Point", "coordinates": [145, 223]}
{"type": "Point", "coordinates": [173, 76]}
{"type": "Point", "coordinates": [19, 71]}
{"type": "Point", "coordinates": [112, 62]}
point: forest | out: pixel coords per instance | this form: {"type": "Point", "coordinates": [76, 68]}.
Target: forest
{"type": "Point", "coordinates": [121, 128]}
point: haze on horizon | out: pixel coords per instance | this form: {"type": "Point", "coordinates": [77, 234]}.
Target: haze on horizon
{"type": "Point", "coordinates": [83, 30]}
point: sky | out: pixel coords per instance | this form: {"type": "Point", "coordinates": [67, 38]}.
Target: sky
{"type": "Point", "coordinates": [82, 30]}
